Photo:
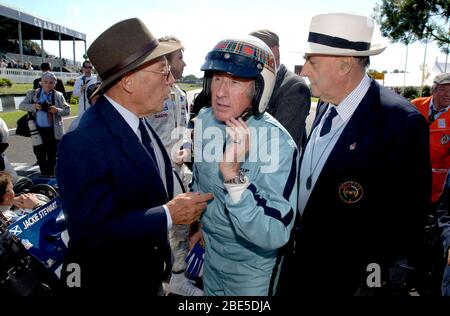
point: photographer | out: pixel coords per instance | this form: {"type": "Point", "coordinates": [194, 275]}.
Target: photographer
{"type": "Point", "coordinates": [46, 67]}
{"type": "Point", "coordinates": [48, 107]}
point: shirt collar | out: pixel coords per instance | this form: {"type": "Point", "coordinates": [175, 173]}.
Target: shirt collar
{"type": "Point", "coordinates": [348, 106]}
{"type": "Point", "coordinates": [129, 117]}
{"type": "Point", "coordinates": [433, 108]}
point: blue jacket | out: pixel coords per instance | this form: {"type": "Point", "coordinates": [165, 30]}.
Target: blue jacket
{"type": "Point", "coordinates": [243, 239]}
{"type": "Point", "coordinates": [112, 199]}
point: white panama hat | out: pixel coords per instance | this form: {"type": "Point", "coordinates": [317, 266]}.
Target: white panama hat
{"type": "Point", "coordinates": [342, 34]}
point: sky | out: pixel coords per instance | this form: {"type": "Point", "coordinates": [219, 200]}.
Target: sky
{"type": "Point", "coordinates": [200, 24]}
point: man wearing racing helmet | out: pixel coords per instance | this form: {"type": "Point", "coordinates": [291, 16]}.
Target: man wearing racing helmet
{"type": "Point", "coordinates": [250, 164]}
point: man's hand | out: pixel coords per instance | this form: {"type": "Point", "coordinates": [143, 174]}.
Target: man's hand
{"type": "Point", "coordinates": [448, 257]}
{"type": "Point", "coordinates": [26, 201]}
{"type": "Point", "coordinates": [182, 156]}
{"type": "Point", "coordinates": [237, 149]}
{"type": "Point", "coordinates": [52, 109]}
{"type": "Point", "coordinates": [187, 208]}
{"type": "Point", "coordinates": [195, 235]}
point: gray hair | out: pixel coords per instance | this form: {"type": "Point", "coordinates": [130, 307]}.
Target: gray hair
{"type": "Point", "coordinates": [170, 39]}
{"type": "Point", "coordinates": [364, 61]}
{"type": "Point", "coordinates": [48, 74]}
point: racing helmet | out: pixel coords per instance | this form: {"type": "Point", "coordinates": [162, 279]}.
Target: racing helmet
{"type": "Point", "coordinates": [248, 58]}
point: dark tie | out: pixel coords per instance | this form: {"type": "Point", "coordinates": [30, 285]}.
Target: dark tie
{"type": "Point", "coordinates": [326, 127]}
{"type": "Point", "coordinates": [432, 115]}
{"type": "Point", "coordinates": [147, 142]}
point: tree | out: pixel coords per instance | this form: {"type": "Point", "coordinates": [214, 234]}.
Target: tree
{"type": "Point", "coordinates": [190, 79]}
{"type": "Point", "coordinates": [408, 21]}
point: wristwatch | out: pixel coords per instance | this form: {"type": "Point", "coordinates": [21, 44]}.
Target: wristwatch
{"type": "Point", "coordinates": [239, 179]}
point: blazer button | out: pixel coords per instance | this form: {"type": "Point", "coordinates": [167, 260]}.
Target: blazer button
{"type": "Point", "coordinates": [155, 248]}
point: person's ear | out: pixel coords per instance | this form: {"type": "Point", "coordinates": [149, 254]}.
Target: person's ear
{"type": "Point", "coordinates": [346, 64]}
{"type": "Point", "coordinates": [127, 82]}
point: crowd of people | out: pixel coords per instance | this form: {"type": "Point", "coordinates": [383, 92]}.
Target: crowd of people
{"type": "Point", "coordinates": [277, 210]}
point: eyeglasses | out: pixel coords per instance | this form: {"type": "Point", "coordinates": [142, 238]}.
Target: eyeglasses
{"type": "Point", "coordinates": [162, 72]}
{"type": "Point", "coordinates": [87, 67]}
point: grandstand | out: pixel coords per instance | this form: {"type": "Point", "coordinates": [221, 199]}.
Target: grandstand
{"type": "Point", "coordinates": [18, 28]}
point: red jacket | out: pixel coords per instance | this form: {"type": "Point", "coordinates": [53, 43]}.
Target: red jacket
{"type": "Point", "coordinates": [439, 144]}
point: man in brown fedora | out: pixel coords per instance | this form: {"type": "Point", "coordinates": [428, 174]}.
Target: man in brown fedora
{"type": "Point", "coordinates": [114, 176]}
{"type": "Point", "coordinates": [365, 174]}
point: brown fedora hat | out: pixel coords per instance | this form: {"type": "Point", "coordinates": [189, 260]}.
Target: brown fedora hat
{"type": "Point", "coordinates": [124, 47]}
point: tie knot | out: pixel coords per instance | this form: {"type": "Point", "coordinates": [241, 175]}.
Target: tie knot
{"type": "Point", "coordinates": [328, 122]}
{"type": "Point", "coordinates": [144, 133]}
{"type": "Point", "coordinates": [141, 124]}
{"type": "Point", "coordinates": [332, 113]}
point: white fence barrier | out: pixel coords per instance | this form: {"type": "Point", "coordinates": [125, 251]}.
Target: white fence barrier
{"type": "Point", "coordinates": [27, 76]}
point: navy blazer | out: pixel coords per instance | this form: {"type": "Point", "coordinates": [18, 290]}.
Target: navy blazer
{"type": "Point", "coordinates": [368, 204]}
{"type": "Point", "coordinates": [112, 196]}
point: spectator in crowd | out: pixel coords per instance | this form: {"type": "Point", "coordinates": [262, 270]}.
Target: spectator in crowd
{"type": "Point", "coordinates": [28, 66]}
{"type": "Point", "coordinates": [12, 207]}
{"type": "Point", "coordinates": [365, 174]}
{"type": "Point", "coordinates": [435, 109]}
{"type": "Point", "coordinates": [81, 83]}
{"type": "Point", "coordinates": [250, 218]}
{"type": "Point", "coordinates": [46, 67]}
{"type": "Point", "coordinates": [115, 178]}
{"type": "Point", "coordinates": [48, 107]}
{"type": "Point", "coordinates": [291, 99]}
{"type": "Point", "coordinates": [91, 97]}
{"type": "Point", "coordinates": [80, 89]}
{"type": "Point", "coordinates": [5, 165]}
{"type": "Point", "coordinates": [171, 126]}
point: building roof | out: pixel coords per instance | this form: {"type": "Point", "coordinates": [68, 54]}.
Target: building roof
{"type": "Point", "coordinates": [31, 27]}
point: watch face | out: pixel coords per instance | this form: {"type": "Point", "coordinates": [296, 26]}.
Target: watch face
{"type": "Point", "coordinates": [239, 179]}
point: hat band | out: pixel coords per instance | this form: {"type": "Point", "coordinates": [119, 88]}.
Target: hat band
{"type": "Point", "coordinates": [337, 42]}
{"type": "Point", "coordinates": [130, 59]}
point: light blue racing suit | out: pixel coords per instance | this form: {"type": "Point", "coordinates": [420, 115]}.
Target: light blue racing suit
{"type": "Point", "coordinates": [243, 239]}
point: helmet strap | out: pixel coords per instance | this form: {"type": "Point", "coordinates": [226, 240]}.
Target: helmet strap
{"type": "Point", "coordinates": [259, 89]}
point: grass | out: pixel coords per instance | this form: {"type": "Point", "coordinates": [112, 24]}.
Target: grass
{"type": "Point", "coordinates": [22, 88]}
{"type": "Point", "coordinates": [189, 86]}
{"type": "Point", "coordinates": [11, 118]}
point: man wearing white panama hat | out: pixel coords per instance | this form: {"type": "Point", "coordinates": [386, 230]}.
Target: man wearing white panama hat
{"type": "Point", "coordinates": [365, 174]}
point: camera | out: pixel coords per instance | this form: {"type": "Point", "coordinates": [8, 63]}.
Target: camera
{"type": "Point", "coordinates": [45, 106]}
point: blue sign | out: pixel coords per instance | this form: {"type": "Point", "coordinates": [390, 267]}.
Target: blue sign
{"type": "Point", "coordinates": [40, 233]}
